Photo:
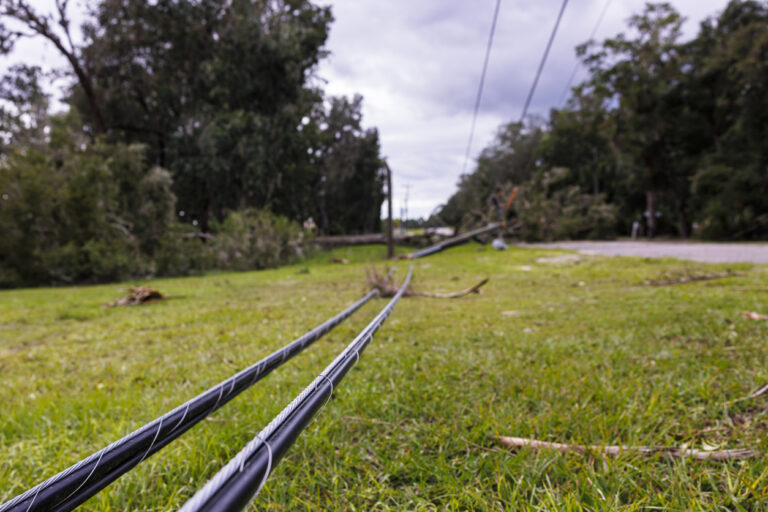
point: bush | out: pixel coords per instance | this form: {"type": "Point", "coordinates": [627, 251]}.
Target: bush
{"type": "Point", "coordinates": [180, 254]}
{"type": "Point", "coordinates": [549, 211]}
{"type": "Point", "coordinates": [731, 202]}
{"type": "Point", "coordinates": [255, 239]}
{"type": "Point", "coordinates": [74, 211]}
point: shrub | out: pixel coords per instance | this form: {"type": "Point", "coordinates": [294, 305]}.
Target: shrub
{"type": "Point", "coordinates": [73, 211]}
{"type": "Point", "coordinates": [550, 211]}
{"type": "Point", "coordinates": [256, 239]}
{"type": "Point", "coordinates": [178, 254]}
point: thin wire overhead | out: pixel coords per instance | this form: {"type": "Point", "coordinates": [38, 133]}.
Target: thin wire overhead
{"type": "Point", "coordinates": [543, 61]}
{"type": "Point", "coordinates": [578, 61]}
{"type": "Point", "coordinates": [482, 83]}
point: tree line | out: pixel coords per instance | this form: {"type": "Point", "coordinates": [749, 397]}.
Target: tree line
{"type": "Point", "coordinates": [188, 124]}
{"type": "Point", "coordinates": [663, 133]}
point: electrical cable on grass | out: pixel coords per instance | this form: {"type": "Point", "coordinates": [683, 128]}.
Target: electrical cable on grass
{"type": "Point", "coordinates": [241, 479]}
{"type": "Point", "coordinates": [73, 486]}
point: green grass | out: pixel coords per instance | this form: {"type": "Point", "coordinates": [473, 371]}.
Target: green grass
{"type": "Point", "coordinates": [577, 351]}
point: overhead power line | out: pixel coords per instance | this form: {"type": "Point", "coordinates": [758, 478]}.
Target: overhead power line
{"type": "Point", "coordinates": [482, 83]}
{"type": "Point", "coordinates": [578, 61]}
{"type": "Point", "coordinates": [543, 61]}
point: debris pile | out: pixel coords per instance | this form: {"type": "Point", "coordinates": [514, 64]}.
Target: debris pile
{"type": "Point", "coordinates": [384, 284]}
{"type": "Point", "coordinates": [138, 295]}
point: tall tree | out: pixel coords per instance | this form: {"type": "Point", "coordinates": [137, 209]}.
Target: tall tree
{"type": "Point", "coordinates": [727, 87]}
{"type": "Point", "coordinates": [640, 74]}
{"type": "Point", "coordinates": [510, 160]}
{"type": "Point", "coordinates": [216, 89]}
{"type": "Point", "coordinates": [57, 29]}
{"type": "Point", "coordinates": [351, 183]}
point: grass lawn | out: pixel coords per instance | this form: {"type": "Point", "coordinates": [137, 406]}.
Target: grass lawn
{"type": "Point", "coordinates": [573, 350]}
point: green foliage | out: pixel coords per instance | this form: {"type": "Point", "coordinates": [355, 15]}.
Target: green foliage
{"type": "Point", "coordinates": [23, 107]}
{"type": "Point", "coordinates": [74, 211]}
{"type": "Point", "coordinates": [218, 93]}
{"type": "Point", "coordinates": [509, 161]}
{"type": "Point", "coordinates": [226, 85]}
{"type": "Point", "coordinates": [736, 205]}
{"type": "Point", "coordinates": [256, 239]}
{"type": "Point", "coordinates": [221, 94]}
{"type": "Point", "coordinates": [351, 183]}
{"type": "Point", "coordinates": [551, 210]}
{"type": "Point", "coordinates": [181, 253]}
{"type": "Point", "coordinates": [667, 132]}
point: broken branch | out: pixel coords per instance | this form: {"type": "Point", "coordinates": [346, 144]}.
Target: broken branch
{"type": "Point", "coordinates": [692, 278]}
{"type": "Point", "coordinates": [471, 289]}
{"type": "Point", "coordinates": [388, 289]}
{"type": "Point", "coordinates": [756, 393]}
{"type": "Point", "coordinates": [671, 452]}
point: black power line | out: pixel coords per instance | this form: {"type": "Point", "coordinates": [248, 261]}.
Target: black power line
{"type": "Point", "coordinates": [482, 83]}
{"type": "Point", "coordinates": [578, 61]}
{"type": "Point", "coordinates": [543, 61]}
{"type": "Point", "coordinates": [235, 485]}
{"type": "Point", "coordinates": [74, 485]}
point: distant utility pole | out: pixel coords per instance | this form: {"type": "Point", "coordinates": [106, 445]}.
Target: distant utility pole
{"type": "Point", "coordinates": [405, 205]}
{"type": "Point", "coordinates": [390, 240]}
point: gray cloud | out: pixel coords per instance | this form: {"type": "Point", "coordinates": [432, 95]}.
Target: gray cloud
{"type": "Point", "coordinates": [418, 63]}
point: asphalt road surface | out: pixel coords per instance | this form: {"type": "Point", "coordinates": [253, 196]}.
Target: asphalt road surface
{"type": "Point", "coordinates": [694, 251]}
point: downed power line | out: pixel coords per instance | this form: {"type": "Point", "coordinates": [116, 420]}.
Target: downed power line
{"type": "Point", "coordinates": [73, 486]}
{"type": "Point", "coordinates": [449, 242]}
{"type": "Point", "coordinates": [235, 485]}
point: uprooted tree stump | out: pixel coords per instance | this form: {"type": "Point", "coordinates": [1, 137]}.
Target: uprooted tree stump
{"type": "Point", "coordinates": [138, 295]}
{"type": "Point", "coordinates": [387, 288]}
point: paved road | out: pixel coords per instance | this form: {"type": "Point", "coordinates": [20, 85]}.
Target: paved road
{"type": "Point", "coordinates": [695, 251]}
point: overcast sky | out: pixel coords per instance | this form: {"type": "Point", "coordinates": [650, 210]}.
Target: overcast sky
{"type": "Point", "coordinates": [418, 62]}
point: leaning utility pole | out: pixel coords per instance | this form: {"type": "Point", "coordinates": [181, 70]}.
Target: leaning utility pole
{"type": "Point", "coordinates": [390, 240]}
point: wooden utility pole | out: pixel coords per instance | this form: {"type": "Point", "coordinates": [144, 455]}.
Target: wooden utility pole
{"type": "Point", "coordinates": [390, 239]}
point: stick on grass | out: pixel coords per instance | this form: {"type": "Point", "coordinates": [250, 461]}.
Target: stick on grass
{"type": "Point", "coordinates": [671, 452]}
